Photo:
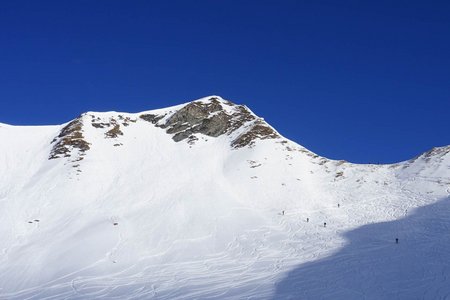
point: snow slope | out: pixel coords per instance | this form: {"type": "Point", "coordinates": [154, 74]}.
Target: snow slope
{"type": "Point", "coordinates": [206, 200]}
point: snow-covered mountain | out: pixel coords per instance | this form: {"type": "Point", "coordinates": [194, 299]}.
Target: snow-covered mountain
{"type": "Point", "coordinates": [207, 200]}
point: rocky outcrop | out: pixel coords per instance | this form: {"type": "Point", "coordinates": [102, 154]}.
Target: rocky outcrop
{"type": "Point", "coordinates": [213, 118]}
{"type": "Point", "coordinates": [114, 132]}
{"type": "Point", "coordinates": [69, 139]}
{"type": "Point", "coordinates": [197, 117]}
{"type": "Point", "coordinates": [71, 143]}
{"type": "Point", "coordinates": [260, 130]}
{"type": "Point", "coordinates": [154, 119]}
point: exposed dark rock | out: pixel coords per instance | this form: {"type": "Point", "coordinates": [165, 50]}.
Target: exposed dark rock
{"type": "Point", "coordinates": [100, 125]}
{"type": "Point", "coordinates": [192, 139]}
{"type": "Point", "coordinates": [258, 131]}
{"type": "Point", "coordinates": [177, 128]}
{"type": "Point", "coordinates": [192, 114]}
{"type": "Point", "coordinates": [114, 132]}
{"type": "Point", "coordinates": [151, 118]}
{"type": "Point", "coordinates": [71, 137]}
{"type": "Point", "coordinates": [254, 164]}
{"type": "Point", "coordinates": [339, 174]}
{"type": "Point", "coordinates": [216, 125]}
{"type": "Point", "coordinates": [197, 117]}
{"type": "Point", "coordinates": [182, 135]}
{"type": "Point", "coordinates": [240, 117]}
{"type": "Point", "coordinates": [211, 119]}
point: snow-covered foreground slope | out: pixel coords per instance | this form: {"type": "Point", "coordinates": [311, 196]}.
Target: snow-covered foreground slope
{"type": "Point", "coordinates": [206, 200]}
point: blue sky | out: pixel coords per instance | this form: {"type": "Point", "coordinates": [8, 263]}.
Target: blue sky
{"type": "Point", "coordinates": [365, 81]}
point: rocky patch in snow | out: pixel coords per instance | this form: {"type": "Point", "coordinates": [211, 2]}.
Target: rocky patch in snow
{"type": "Point", "coordinates": [259, 130]}
{"type": "Point", "coordinates": [115, 131]}
{"type": "Point", "coordinates": [69, 139]}
{"type": "Point", "coordinates": [213, 118]}
{"type": "Point", "coordinates": [436, 152]}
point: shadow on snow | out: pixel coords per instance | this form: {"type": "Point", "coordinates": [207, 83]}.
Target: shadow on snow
{"type": "Point", "coordinates": [373, 266]}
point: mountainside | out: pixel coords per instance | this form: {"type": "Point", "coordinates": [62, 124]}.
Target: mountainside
{"type": "Point", "coordinates": [207, 200]}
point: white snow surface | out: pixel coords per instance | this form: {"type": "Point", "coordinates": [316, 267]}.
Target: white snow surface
{"type": "Point", "coordinates": [144, 217]}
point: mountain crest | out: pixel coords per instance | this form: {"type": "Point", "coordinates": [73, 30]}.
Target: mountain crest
{"type": "Point", "coordinates": [210, 116]}
{"type": "Point", "coordinates": [214, 117]}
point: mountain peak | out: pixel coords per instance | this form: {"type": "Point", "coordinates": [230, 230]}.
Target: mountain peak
{"type": "Point", "coordinates": [211, 116]}
{"type": "Point", "coordinates": [214, 98]}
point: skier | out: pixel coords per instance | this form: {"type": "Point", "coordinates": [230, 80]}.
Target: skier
{"type": "Point", "coordinates": [282, 212]}
{"type": "Point", "coordinates": [396, 240]}
{"type": "Point", "coordinates": [307, 220]}
{"type": "Point", "coordinates": [339, 205]}
{"type": "Point", "coordinates": [324, 224]}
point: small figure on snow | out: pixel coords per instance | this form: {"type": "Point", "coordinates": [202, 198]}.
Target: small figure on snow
{"type": "Point", "coordinates": [339, 205]}
{"type": "Point", "coordinates": [307, 220]}
{"type": "Point", "coordinates": [282, 212]}
{"type": "Point", "coordinates": [396, 240]}
{"type": "Point", "coordinates": [324, 224]}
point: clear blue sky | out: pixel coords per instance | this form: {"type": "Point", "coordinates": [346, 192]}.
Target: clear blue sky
{"type": "Point", "coordinates": [365, 81]}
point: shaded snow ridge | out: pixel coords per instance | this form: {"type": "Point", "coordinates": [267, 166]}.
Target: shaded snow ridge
{"type": "Point", "coordinates": [211, 116]}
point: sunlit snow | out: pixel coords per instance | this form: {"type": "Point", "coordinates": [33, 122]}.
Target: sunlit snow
{"type": "Point", "coordinates": [142, 216]}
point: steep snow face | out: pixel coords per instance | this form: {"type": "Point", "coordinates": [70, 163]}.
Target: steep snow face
{"type": "Point", "coordinates": [431, 164]}
{"type": "Point", "coordinates": [200, 200]}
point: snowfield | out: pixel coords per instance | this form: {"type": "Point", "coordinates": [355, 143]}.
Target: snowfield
{"type": "Point", "coordinates": [111, 206]}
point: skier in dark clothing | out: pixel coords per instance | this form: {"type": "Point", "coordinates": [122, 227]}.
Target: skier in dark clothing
{"type": "Point", "coordinates": [396, 240]}
{"type": "Point", "coordinates": [307, 220]}
{"type": "Point", "coordinates": [324, 224]}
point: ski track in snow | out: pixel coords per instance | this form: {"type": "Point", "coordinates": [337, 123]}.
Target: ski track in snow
{"type": "Point", "coordinates": [155, 219]}
{"type": "Point", "coordinates": [242, 270]}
